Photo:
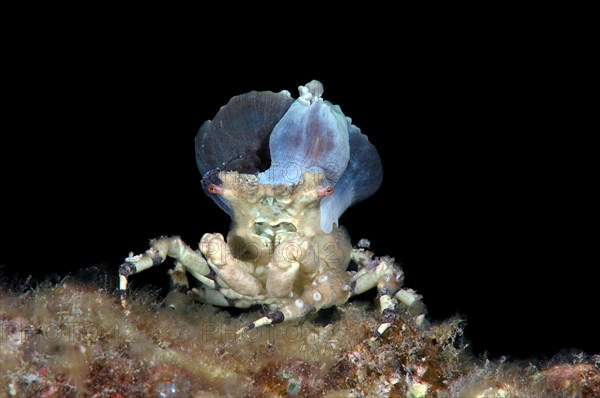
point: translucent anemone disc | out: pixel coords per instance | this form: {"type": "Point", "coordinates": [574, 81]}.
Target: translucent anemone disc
{"type": "Point", "coordinates": [310, 136]}
{"type": "Point", "coordinates": [237, 139]}
{"type": "Point", "coordinates": [361, 179]}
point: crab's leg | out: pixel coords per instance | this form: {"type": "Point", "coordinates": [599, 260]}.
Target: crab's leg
{"type": "Point", "coordinates": [369, 274]}
{"type": "Point", "coordinates": [388, 277]}
{"type": "Point", "coordinates": [235, 273]}
{"type": "Point", "coordinates": [384, 274]}
{"type": "Point", "coordinates": [219, 298]}
{"type": "Point", "coordinates": [297, 309]}
{"type": "Point", "coordinates": [272, 318]}
{"type": "Point", "coordinates": [159, 249]}
{"type": "Point", "coordinates": [330, 287]}
{"type": "Point", "coordinates": [179, 280]}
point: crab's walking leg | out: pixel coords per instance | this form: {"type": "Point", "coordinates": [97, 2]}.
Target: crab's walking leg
{"type": "Point", "coordinates": [271, 318]}
{"type": "Point", "coordinates": [387, 276]}
{"type": "Point", "coordinates": [290, 311]}
{"type": "Point", "coordinates": [331, 287]}
{"type": "Point", "coordinates": [160, 248]}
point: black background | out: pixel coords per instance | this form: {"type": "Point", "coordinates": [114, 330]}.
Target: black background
{"type": "Point", "coordinates": [488, 178]}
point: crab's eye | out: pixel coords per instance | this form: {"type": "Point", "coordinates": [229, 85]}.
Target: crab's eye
{"type": "Point", "coordinates": [215, 189]}
{"type": "Point", "coordinates": [325, 190]}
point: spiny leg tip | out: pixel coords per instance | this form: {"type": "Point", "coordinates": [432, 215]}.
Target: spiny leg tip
{"type": "Point", "coordinates": [246, 328]}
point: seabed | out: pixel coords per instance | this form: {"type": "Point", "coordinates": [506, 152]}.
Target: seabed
{"type": "Point", "coordinates": [72, 339]}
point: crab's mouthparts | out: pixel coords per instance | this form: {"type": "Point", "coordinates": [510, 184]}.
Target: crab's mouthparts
{"type": "Point", "coordinates": [269, 230]}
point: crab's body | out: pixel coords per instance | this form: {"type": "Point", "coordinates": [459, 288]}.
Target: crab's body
{"type": "Point", "coordinates": [284, 249]}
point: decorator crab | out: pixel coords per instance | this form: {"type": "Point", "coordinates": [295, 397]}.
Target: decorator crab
{"type": "Point", "coordinates": [284, 170]}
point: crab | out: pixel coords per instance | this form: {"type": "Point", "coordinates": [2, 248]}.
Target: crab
{"type": "Point", "coordinates": [284, 170]}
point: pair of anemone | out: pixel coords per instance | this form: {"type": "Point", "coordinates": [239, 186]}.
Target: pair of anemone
{"type": "Point", "coordinates": [277, 138]}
